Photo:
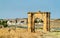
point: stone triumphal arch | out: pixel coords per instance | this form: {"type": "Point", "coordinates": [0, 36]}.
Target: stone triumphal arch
{"type": "Point", "coordinates": [45, 16]}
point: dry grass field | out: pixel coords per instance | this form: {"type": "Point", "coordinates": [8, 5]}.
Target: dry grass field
{"type": "Point", "coordinates": [17, 33]}
{"type": "Point", "coordinates": [23, 33]}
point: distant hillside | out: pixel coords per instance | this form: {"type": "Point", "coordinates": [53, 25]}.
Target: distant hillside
{"type": "Point", "coordinates": [55, 23]}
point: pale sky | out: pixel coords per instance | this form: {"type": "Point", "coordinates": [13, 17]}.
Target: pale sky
{"type": "Point", "coordinates": [20, 8]}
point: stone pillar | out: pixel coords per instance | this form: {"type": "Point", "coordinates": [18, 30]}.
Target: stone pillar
{"type": "Point", "coordinates": [32, 26]}
{"type": "Point", "coordinates": [46, 26]}
{"type": "Point", "coordinates": [31, 23]}
{"type": "Point", "coordinates": [48, 21]}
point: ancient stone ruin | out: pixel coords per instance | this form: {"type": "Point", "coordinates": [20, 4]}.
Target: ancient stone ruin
{"type": "Point", "coordinates": [45, 16]}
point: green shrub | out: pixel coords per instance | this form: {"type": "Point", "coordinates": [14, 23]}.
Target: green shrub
{"type": "Point", "coordinates": [4, 23]}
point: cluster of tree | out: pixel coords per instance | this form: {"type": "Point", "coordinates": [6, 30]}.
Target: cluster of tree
{"type": "Point", "coordinates": [37, 20]}
{"type": "Point", "coordinates": [4, 23]}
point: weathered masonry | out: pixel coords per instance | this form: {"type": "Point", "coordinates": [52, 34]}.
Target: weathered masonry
{"type": "Point", "coordinates": [45, 16]}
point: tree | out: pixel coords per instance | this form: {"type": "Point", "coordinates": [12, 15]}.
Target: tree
{"type": "Point", "coordinates": [4, 23]}
{"type": "Point", "coordinates": [37, 20]}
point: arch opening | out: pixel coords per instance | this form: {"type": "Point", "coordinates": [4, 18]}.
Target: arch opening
{"type": "Point", "coordinates": [38, 22]}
